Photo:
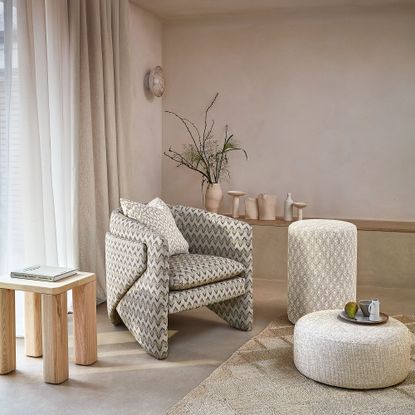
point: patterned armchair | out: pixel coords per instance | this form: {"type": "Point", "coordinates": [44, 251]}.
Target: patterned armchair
{"type": "Point", "coordinates": [145, 285]}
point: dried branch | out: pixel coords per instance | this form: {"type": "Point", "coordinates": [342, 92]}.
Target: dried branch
{"type": "Point", "coordinates": [199, 149]}
{"type": "Point", "coordinates": [184, 122]}
{"type": "Point", "coordinates": [207, 111]}
{"type": "Point", "coordinates": [181, 161]}
{"type": "Point", "coordinates": [204, 155]}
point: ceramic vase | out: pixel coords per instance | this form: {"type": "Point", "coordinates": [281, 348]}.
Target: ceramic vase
{"type": "Point", "coordinates": [288, 208]}
{"type": "Point", "coordinates": [267, 206]}
{"type": "Point", "coordinates": [251, 208]}
{"type": "Point", "coordinates": [213, 197]}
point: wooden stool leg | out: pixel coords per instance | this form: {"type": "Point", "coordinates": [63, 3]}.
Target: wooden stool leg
{"type": "Point", "coordinates": [85, 323]}
{"type": "Point", "coordinates": [33, 324]}
{"type": "Point", "coordinates": [7, 332]}
{"type": "Point", "coordinates": [55, 338]}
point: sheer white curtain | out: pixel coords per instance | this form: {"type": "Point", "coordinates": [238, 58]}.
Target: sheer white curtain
{"type": "Point", "coordinates": [11, 194]}
{"type": "Point", "coordinates": [37, 165]}
{"type": "Point", "coordinates": [65, 104]}
{"type": "Point", "coordinates": [47, 148]}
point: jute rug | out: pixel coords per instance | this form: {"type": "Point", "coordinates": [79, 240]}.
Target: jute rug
{"type": "Point", "coordinates": [260, 379]}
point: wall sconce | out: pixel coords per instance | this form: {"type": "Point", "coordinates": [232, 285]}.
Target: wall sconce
{"type": "Point", "coordinates": [155, 81]}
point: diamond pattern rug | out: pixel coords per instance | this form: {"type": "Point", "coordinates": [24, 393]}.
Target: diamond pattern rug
{"type": "Point", "coordinates": [260, 379]}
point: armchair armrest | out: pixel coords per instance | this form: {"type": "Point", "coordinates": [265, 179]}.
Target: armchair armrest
{"type": "Point", "coordinates": [212, 234]}
{"type": "Point", "coordinates": [137, 271]}
{"type": "Point", "coordinates": [125, 263]}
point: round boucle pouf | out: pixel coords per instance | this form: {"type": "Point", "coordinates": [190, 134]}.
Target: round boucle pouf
{"type": "Point", "coordinates": [336, 352]}
{"type": "Point", "coordinates": [321, 266]}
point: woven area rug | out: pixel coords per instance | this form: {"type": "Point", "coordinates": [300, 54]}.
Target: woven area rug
{"type": "Point", "coordinates": [260, 379]}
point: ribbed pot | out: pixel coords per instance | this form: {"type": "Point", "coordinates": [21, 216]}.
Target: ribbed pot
{"type": "Point", "coordinates": [267, 206]}
{"type": "Point", "coordinates": [213, 197]}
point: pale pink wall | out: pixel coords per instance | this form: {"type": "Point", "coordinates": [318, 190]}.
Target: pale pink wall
{"type": "Point", "coordinates": [323, 101]}
{"type": "Point", "coordinates": [144, 159]}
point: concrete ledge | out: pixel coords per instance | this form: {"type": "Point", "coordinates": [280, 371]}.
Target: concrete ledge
{"type": "Point", "coordinates": [361, 224]}
{"type": "Point", "coordinates": [385, 259]}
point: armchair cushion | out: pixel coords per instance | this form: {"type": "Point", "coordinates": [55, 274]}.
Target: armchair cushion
{"type": "Point", "coordinates": [157, 216]}
{"type": "Point", "coordinates": [194, 270]}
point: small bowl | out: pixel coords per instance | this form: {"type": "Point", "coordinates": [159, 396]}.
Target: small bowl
{"type": "Point", "coordinates": [364, 306]}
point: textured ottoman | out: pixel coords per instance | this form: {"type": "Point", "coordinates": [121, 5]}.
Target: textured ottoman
{"type": "Point", "coordinates": [336, 352]}
{"type": "Point", "coordinates": [321, 266]}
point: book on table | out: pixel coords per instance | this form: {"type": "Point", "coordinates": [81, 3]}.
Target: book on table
{"type": "Point", "coordinates": [43, 273]}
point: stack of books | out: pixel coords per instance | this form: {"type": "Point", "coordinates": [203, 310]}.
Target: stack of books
{"type": "Point", "coordinates": [43, 273]}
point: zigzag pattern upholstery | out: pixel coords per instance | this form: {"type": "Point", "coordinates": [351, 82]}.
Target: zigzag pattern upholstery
{"type": "Point", "coordinates": [193, 270]}
{"type": "Point", "coordinates": [137, 271]}
{"type": "Point", "coordinates": [205, 295]}
{"type": "Point", "coordinates": [212, 234]}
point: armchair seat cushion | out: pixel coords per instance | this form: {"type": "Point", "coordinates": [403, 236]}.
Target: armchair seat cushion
{"type": "Point", "coordinates": [194, 270]}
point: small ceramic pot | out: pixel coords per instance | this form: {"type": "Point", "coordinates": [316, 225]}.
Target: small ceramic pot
{"type": "Point", "coordinates": [213, 197]}
{"type": "Point", "coordinates": [236, 195]}
{"type": "Point", "coordinates": [300, 206]}
{"type": "Point", "coordinates": [251, 208]}
{"type": "Point", "coordinates": [267, 206]}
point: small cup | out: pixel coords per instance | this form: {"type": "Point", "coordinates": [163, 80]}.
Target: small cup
{"type": "Point", "coordinates": [374, 310]}
{"type": "Point", "coordinates": [364, 306]}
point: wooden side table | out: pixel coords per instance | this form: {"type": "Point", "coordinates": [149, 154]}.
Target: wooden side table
{"type": "Point", "coordinates": [46, 324]}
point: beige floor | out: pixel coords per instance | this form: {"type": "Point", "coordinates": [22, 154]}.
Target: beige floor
{"type": "Point", "coordinates": [127, 381]}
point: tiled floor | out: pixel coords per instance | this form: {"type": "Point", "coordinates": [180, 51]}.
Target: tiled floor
{"type": "Point", "coordinates": [125, 380]}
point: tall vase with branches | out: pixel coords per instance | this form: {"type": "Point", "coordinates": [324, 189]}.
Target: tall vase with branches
{"type": "Point", "coordinates": [206, 155]}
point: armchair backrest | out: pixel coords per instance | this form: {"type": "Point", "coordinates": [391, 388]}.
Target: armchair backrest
{"type": "Point", "coordinates": [213, 234]}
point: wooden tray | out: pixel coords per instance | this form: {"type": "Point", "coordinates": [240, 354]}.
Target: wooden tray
{"type": "Point", "coordinates": [361, 319]}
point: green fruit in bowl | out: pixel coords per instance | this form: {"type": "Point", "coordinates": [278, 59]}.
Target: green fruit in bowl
{"type": "Point", "coordinates": [351, 309]}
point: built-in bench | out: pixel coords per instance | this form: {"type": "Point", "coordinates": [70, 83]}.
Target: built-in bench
{"type": "Point", "coordinates": [362, 224]}
{"type": "Point", "coordinates": [386, 251]}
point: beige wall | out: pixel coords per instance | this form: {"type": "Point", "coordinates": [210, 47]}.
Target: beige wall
{"type": "Point", "coordinates": [323, 101]}
{"type": "Point", "coordinates": [144, 151]}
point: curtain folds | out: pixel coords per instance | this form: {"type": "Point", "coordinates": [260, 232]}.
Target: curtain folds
{"type": "Point", "coordinates": [47, 180]}
{"type": "Point", "coordinates": [11, 177]}
{"type": "Point", "coordinates": [66, 114]}
{"type": "Point", "coordinates": [49, 214]}
{"type": "Point", "coordinates": [11, 228]}
{"type": "Point", "coordinates": [100, 104]}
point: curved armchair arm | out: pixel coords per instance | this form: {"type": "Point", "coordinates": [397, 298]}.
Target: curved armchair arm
{"type": "Point", "coordinates": [213, 234]}
{"type": "Point", "coordinates": [137, 263]}
{"type": "Point", "coordinates": [125, 263]}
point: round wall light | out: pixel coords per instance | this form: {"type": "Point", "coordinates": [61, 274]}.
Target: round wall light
{"type": "Point", "coordinates": [156, 83]}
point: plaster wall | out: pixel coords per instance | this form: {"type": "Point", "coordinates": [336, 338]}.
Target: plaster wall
{"type": "Point", "coordinates": [322, 99]}
{"type": "Point", "coordinates": [143, 152]}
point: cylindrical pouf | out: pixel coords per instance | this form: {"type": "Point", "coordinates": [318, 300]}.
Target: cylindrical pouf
{"type": "Point", "coordinates": [322, 257]}
{"type": "Point", "coordinates": [336, 352]}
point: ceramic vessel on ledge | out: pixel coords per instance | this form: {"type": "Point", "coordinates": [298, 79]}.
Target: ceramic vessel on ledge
{"type": "Point", "coordinates": [267, 206]}
{"type": "Point", "coordinates": [300, 206]}
{"type": "Point", "coordinates": [213, 197]}
{"type": "Point", "coordinates": [236, 194]}
{"type": "Point", "coordinates": [251, 208]}
{"type": "Point", "coordinates": [288, 208]}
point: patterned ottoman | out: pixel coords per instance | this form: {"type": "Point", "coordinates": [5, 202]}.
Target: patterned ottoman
{"type": "Point", "coordinates": [321, 266]}
{"type": "Point", "coordinates": [348, 355]}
